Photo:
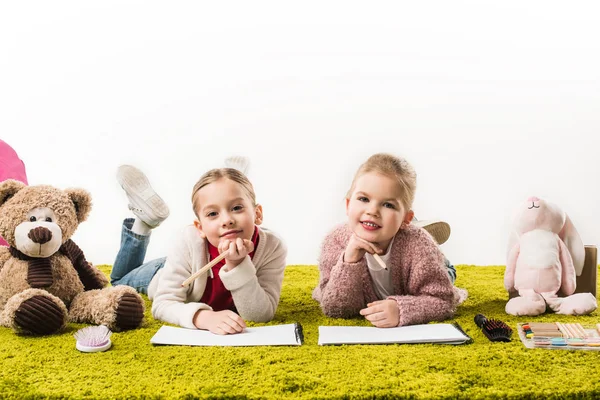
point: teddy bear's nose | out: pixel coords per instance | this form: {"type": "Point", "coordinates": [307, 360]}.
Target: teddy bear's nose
{"type": "Point", "coordinates": [533, 198]}
{"type": "Point", "coordinates": [40, 235]}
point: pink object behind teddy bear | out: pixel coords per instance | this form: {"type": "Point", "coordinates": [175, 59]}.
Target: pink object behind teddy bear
{"type": "Point", "coordinates": [11, 167]}
{"type": "Point", "coordinates": [545, 255]}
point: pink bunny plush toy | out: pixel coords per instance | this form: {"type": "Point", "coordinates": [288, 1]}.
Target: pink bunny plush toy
{"type": "Point", "coordinates": [545, 254]}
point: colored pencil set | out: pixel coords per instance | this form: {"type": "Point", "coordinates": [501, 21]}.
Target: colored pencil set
{"type": "Point", "coordinates": [559, 335]}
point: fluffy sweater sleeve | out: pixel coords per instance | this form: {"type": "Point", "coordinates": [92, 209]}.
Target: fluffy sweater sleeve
{"type": "Point", "coordinates": [428, 293]}
{"type": "Point", "coordinates": [340, 290]}
{"type": "Point", "coordinates": [171, 302]}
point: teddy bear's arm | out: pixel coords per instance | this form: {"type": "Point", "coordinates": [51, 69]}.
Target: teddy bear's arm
{"type": "Point", "coordinates": [100, 276]}
{"type": "Point", "coordinates": [87, 273]}
{"type": "Point", "coordinates": [511, 265]}
{"type": "Point", "coordinates": [569, 282]}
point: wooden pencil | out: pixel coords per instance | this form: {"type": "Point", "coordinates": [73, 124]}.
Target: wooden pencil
{"type": "Point", "coordinates": [379, 261]}
{"type": "Point", "coordinates": [204, 269]}
{"type": "Point", "coordinates": [576, 330]}
{"type": "Point", "coordinates": [545, 326]}
{"type": "Point", "coordinates": [563, 330]}
{"type": "Point", "coordinates": [571, 329]}
{"type": "Point", "coordinates": [582, 332]}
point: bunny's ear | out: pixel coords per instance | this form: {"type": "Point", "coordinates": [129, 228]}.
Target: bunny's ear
{"type": "Point", "coordinates": [513, 237]}
{"type": "Point", "coordinates": [570, 236]}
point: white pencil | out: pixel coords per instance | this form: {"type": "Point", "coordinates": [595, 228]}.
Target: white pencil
{"type": "Point", "coordinates": [204, 269]}
{"type": "Point", "coordinates": [379, 260]}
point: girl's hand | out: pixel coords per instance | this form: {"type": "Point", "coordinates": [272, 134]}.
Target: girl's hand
{"type": "Point", "coordinates": [237, 250]}
{"type": "Point", "coordinates": [357, 248]}
{"type": "Point", "coordinates": [382, 313]}
{"type": "Point", "coordinates": [220, 322]}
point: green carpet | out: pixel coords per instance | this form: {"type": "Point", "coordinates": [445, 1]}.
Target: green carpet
{"type": "Point", "coordinates": [51, 367]}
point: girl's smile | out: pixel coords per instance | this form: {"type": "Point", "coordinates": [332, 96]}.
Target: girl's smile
{"type": "Point", "coordinates": [370, 226]}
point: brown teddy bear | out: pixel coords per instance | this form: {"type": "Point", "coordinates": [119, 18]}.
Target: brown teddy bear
{"type": "Point", "coordinates": [45, 280]}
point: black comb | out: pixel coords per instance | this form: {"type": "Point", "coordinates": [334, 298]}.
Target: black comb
{"type": "Point", "coordinates": [493, 329]}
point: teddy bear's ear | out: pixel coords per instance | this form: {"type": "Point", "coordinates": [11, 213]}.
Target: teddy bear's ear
{"type": "Point", "coordinates": [8, 189]}
{"type": "Point", "coordinates": [82, 200]}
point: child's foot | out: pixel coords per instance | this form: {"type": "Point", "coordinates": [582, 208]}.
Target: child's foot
{"type": "Point", "coordinates": [143, 200]}
{"type": "Point", "coordinates": [440, 230]}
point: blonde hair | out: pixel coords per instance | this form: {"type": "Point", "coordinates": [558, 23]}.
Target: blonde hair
{"type": "Point", "coordinates": [393, 167]}
{"type": "Point", "coordinates": [219, 173]}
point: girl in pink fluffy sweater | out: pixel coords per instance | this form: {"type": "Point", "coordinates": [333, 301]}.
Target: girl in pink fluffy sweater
{"type": "Point", "coordinates": [414, 287]}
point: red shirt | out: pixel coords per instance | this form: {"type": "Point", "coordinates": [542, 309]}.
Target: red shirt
{"type": "Point", "coordinates": [215, 294]}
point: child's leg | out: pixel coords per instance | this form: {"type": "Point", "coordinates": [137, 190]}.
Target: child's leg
{"type": "Point", "coordinates": [440, 231]}
{"type": "Point", "coordinates": [139, 278]}
{"type": "Point", "coordinates": [150, 210]}
{"type": "Point", "coordinates": [451, 270]}
{"type": "Point", "coordinates": [129, 268]}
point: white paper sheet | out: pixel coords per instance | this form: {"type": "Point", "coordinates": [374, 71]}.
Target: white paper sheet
{"type": "Point", "coordinates": [429, 333]}
{"type": "Point", "coordinates": [277, 335]}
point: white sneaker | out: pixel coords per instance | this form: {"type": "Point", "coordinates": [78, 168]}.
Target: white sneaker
{"type": "Point", "coordinates": [440, 230]}
{"type": "Point", "coordinates": [240, 163]}
{"type": "Point", "coordinates": [143, 200]}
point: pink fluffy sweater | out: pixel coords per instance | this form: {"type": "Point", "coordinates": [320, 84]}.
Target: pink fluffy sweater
{"type": "Point", "coordinates": [419, 278]}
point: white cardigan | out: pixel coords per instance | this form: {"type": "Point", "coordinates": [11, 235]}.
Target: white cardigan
{"type": "Point", "coordinates": [255, 284]}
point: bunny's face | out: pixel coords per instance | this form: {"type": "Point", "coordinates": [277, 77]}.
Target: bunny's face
{"type": "Point", "coordinates": [538, 214]}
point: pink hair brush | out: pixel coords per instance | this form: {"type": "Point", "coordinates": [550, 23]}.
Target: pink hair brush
{"type": "Point", "coordinates": [93, 339]}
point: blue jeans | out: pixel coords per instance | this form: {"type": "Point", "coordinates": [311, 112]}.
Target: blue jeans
{"type": "Point", "coordinates": [129, 267]}
{"type": "Point", "coordinates": [451, 270]}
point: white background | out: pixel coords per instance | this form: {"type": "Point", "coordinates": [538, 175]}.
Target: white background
{"type": "Point", "coordinates": [490, 101]}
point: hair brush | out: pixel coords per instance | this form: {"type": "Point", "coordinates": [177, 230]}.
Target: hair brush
{"type": "Point", "coordinates": [493, 329]}
{"type": "Point", "coordinates": [93, 339]}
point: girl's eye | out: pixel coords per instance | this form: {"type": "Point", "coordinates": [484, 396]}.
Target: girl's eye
{"type": "Point", "coordinates": [32, 219]}
{"type": "Point", "coordinates": [238, 208]}
{"type": "Point", "coordinates": [48, 219]}
{"type": "Point", "coordinates": [363, 199]}
{"type": "Point", "coordinates": [212, 214]}
{"type": "Point", "coordinates": [389, 205]}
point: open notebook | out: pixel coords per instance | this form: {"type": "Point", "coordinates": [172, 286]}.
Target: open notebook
{"type": "Point", "coordinates": [276, 335]}
{"type": "Point", "coordinates": [429, 333]}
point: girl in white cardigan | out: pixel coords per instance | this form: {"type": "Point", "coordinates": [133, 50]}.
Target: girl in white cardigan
{"type": "Point", "coordinates": [245, 285]}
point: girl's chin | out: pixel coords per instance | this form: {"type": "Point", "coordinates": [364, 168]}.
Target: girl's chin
{"type": "Point", "coordinates": [370, 236]}
{"type": "Point", "coordinates": [231, 238]}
